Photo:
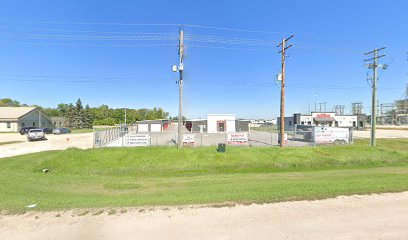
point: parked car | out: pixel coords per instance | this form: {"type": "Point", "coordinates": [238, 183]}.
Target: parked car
{"type": "Point", "coordinates": [61, 130]}
{"type": "Point", "coordinates": [25, 130]}
{"type": "Point", "coordinates": [35, 134]}
{"type": "Point", "coordinates": [47, 130]}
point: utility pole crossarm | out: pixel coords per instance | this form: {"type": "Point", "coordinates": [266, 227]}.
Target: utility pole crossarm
{"type": "Point", "coordinates": [375, 50]}
{"type": "Point", "coordinates": [370, 59]}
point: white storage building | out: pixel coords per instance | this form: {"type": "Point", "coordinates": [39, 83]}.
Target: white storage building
{"type": "Point", "coordinates": [221, 123]}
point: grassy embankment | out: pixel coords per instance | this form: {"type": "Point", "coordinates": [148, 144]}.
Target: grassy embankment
{"type": "Point", "coordinates": [123, 177]}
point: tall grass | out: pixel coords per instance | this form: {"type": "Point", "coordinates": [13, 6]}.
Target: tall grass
{"type": "Point", "coordinates": [163, 175]}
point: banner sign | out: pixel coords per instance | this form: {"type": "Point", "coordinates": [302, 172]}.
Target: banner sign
{"type": "Point", "coordinates": [188, 139]}
{"type": "Point", "coordinates": [136, 140]}
{"type": "Point", "coordinates": [237, 138]}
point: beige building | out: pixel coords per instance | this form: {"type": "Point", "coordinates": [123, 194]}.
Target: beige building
{"type": "Point", "coordinates": [12, 119]}
{"type": "Point", "coordinates": [59, 122]}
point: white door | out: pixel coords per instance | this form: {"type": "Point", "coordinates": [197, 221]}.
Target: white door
{"type": "Point", "coordinates": [143, 128]}
{"type": "Point", "coordinates": [155, 127]}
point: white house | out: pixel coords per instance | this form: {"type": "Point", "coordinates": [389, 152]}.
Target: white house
{"type": "Point", "coordinates": [12, 119]}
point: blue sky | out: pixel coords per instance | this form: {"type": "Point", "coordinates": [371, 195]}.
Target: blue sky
{"type": "Point", "coordinates": [58, 51]}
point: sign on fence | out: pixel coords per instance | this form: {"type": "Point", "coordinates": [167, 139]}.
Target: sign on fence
{"type": "Point", "coordinates": [136, 140]}
{"type": "Point", "coordinates": [331, 134]}
{"type": "Point", "coordinates": [188, 139]}
{"type": "Point", "coordinates": [237, 138]}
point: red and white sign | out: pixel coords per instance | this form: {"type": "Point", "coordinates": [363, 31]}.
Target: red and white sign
{"type": "Point", "coordinates": [323, 115]}
{"type": "Point", "coordinates": [237, 138]}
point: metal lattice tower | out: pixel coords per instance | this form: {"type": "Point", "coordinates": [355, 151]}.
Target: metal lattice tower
{"type": "Point", "coordinates": [356, 108]}
{"type": "Point", "coordinates": [339, 109]}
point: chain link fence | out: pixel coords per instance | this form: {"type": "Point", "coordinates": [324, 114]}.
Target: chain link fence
{"type": "Point", "coordinates": [301, 135]}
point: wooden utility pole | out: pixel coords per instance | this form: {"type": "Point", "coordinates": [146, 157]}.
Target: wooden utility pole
{"type": "Point", "coordinates": [374, 65]}
{"type": "Point", "coordinates": [180, 84]}
{"type": "Point", "coordinates": [282, 102]}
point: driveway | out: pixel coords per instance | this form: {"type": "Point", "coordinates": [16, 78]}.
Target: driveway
{"type": "Point", "coordinates": [54, 142]}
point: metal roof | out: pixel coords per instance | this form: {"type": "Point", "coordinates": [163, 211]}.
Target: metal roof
{"type": "Point", "coordinates": [14, 113]}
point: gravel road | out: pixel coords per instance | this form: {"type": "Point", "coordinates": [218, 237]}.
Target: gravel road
{"type": "Point", "coordinates": [383, 216]}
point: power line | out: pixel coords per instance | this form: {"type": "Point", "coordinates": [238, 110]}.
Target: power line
{"type": "Point", "coordinates": [101, 79]}
{"type": "Point", "coordinates": [102, 23]}
{"type": "Point", "coordinates": [229, 48]}
{"type": "Point", "coordinates": [91, 37]}
{"type": "Point", "coordinates": [86, 31]}
{"type": "Point", "coordinates": [155, 24]}
{"type": "Point", "coordinates": [97, 45]}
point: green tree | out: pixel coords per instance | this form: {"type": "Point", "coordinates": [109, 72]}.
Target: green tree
{"type": "Point", "coordinates": [70, 115]}
{"type": "Point", "coordinates": [8, 102]}
{"type": "Point", "coordinates": [87, 117]}
{"type": "Point", "coordinates": [78, 114]}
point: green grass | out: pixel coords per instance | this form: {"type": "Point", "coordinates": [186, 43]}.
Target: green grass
{"type": "Point", "coordinates": [9, 142]}
{"type": "Point", "coordinates": [82, 130]}
{"type": "Point", "coordinates": [125, 177]}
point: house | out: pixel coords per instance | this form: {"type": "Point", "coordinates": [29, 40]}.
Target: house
{"type": "Point", "coordinates": [12, 119]}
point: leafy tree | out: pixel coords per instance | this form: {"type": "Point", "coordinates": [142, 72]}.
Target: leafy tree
{"type": "Point", "coordinates": [8, 102]}
{"type": "Point", "coordinates": [79, 117]}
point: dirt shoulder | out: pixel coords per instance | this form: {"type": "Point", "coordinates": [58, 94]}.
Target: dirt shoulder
{"type": "Point", "coordinates": [381, 216]}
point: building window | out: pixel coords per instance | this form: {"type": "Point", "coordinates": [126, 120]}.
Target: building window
{"type": "Point", "coordinates": [302, 122]}
{"type": "Point", "coordinates": [361, 124]}
{"type": "Point", "coordinates": [23, 124]}
{"type": "Point", "coordinates": [33, 124]}
{"type": "Point", "coordinates": [55, 123]}
{"type": "Point", "coordinates": [309, 123]}
{"type": "Point", "coordinates": [290, 123]}
{"type": "Point", "coordinates": [8, 124]}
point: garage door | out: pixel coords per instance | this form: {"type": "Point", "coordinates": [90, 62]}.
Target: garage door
{"type": "Point", "coordinates": [155, 127]}
{"type": "Point", "coordinates": [143, 127]}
